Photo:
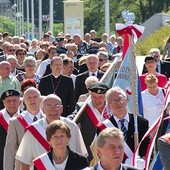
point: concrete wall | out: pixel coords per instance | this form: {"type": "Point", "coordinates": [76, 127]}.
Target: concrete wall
{"type": "Point", "coordinates": [154, 23]}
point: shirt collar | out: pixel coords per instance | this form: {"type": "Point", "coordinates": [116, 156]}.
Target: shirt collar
{"type": "Point", "coordinates": [99, 167]}
{"type": "Point", "coordinates": [90, 73]}
{"type": "Point", "coordinates": [126, 117]}
{"type": "Point", "coordinates": [38, 115]}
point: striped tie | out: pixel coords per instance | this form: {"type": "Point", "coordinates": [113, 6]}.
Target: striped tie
{"type": "Point", "coordinates": [123, 128]}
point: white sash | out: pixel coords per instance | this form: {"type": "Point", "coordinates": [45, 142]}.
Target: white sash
{"type": "Point", "coordinates": [6, 117]}
{"type": "Point", "coordinates": [108, 124]}
{"type": "Point", "coordinates": [43, 162]}
{"type": "Point", "coordinates": [39, 134]}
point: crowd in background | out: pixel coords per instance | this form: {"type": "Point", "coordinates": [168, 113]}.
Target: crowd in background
{"type": "Point", "coordinates": [50, 80]}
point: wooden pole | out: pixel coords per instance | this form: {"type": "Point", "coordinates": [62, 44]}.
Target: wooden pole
{"type": "Point", "coordinates": [105, 79]}
{"type": "Point", "coordinates": [135, 110]}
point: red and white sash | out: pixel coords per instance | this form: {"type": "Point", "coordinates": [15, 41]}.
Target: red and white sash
{"type": "Point", "coordinates": [39, 134]}
{"type": "Point", "coordinates": [4, 121]}
{"type": "Point", "coordinates": [108, 124]}
{"type": "Point", "coordinates": [91, 116]}
{"type": "Point", "coordinates": [90, 110]}
{"type": "Point", "coordinates": [24, 120]}
{"type": "Point", "coordinates": [43, 162]}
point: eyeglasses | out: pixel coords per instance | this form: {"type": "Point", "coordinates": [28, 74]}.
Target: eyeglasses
{"type": "Point", "coordinates": [49, 107]}
{"type": "Point", "coordinates": [10, 50]}
{"type": "Point", "coordinates": [21, 53]}
{"type": "Point", "coordinates": [117, 100]}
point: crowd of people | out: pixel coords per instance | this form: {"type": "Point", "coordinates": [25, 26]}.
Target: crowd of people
{"type": "Point", "coordinates": [53, 107]}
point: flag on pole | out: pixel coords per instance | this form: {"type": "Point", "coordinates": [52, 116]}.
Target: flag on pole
{"type": "Point", "coordinates": [124, 77]}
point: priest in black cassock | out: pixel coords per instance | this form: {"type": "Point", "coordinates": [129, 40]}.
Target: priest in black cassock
{"type": "Point", "coordinates": [60, 85]}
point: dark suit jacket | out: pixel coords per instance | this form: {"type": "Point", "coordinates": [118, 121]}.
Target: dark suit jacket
{"type": "Point", "coordinates": [88, 131]}
{"type": "Point", "coordinates": [165, 68]}
{"type": "Point", "coordinates": [142, 128]}
{"type": "Point", "coordinates": [74, 162]}
{"type": "Point", "coordinates": [63, 86]}
{"type": "Point", "coordinates": [123, 166]}
{"type": "Point", "coordinates": [3, 135]}
{"type": "Point", "coordinates": [80, 87]}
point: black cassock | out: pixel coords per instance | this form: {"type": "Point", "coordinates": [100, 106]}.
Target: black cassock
{"type": "Point", "coordinates": [63, 87]}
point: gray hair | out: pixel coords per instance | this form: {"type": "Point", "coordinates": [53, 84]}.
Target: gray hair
{"type": "Point", "coordinates": [29, 59]}
{"type": "Point", "coordinates": [113, 90]}
{"type": "Point", "coordinates": [109, 133]}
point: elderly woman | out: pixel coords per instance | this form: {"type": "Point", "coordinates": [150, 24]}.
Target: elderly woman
{"type": "Point", "coordinates": [153, 99]}
{"type": "Point", "coordinates": [20, 55]}
{"type": "Point", "coordinates": [60, 157]}
{"type": "Point", "coordinates": [29, 64]}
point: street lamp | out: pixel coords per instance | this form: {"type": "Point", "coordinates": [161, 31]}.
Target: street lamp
{"type": "Point", "coordinates": [14, 14]}
{"type": "Point", "coordinates": [107, 17]}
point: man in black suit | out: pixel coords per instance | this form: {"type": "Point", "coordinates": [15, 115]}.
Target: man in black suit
{"type": "Point", "coordinates": [11, 101]}
{"type": "Point", "coordinates": [92, 62]}
{"type": "Point", "coordinates": [163, 67]}
{"type": "Point", "coordinates": [59, 84]}
{"type": "Point", "coordinates": [110, 150]}
{"type": "Point", "coordinates": [117, 102]}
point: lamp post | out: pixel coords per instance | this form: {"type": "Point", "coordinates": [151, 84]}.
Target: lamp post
{"type": "Point", "coordinates": [28, 20]}
{"type": "Point", "coordinates": [14, 13]}
{"type": "Point", "coordinates": [32, 17]}
{"type": "Point", "coordinates": [22, 9]}
{"type": "Point", "coordinates": [40, 19]}
{"type": "Point", "coordinates": [51, 15]}
{"type": "Point", "coordinates": [107, 17]}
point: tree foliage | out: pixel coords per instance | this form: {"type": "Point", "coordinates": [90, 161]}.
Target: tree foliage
{"type": "Point", "coordinates": [7, 25]}
{"type": "Point", "coordinates": [94, 11]}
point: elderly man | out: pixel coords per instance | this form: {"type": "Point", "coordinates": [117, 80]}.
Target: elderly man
{"type": "Point", "coordinates": [18, 124]}
{"type": "Point", "coordinates": [34, 145]}
{"type": "Point", "coordinates": [110, 150]}
{"type": "Point", "coordinates": [94, 113]}
{"type": "Point", "coordinates": [117, 102]}
{"type": "Point", "coordinates": [92, 65]}
{"type": "Point", "coordinates": [13, 61]}
{"type": "Point", "coordinates": [7, 81]}
{"type": "Point", "coordinates": [82, 46]}
{"type": "Point", "coordinates": [11, 101]}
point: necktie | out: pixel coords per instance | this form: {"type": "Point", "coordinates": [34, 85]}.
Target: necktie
{"type": "Point", "coordinates": [35, 119]}
{"type": "Point", "coordinates": [123, 128]}
{"type": "Point", "coordinates": [93, 74]}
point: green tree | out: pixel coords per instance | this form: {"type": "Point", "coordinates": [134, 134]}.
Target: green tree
{"type": "Point", "coordinates": [7, 24]}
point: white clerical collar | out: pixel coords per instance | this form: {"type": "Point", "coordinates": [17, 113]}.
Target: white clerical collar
{"type": "Point", "coordinates": [56, 76]}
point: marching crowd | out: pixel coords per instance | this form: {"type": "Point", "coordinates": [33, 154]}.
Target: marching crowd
{"type": "Point", "coordinates": [49, 122]}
